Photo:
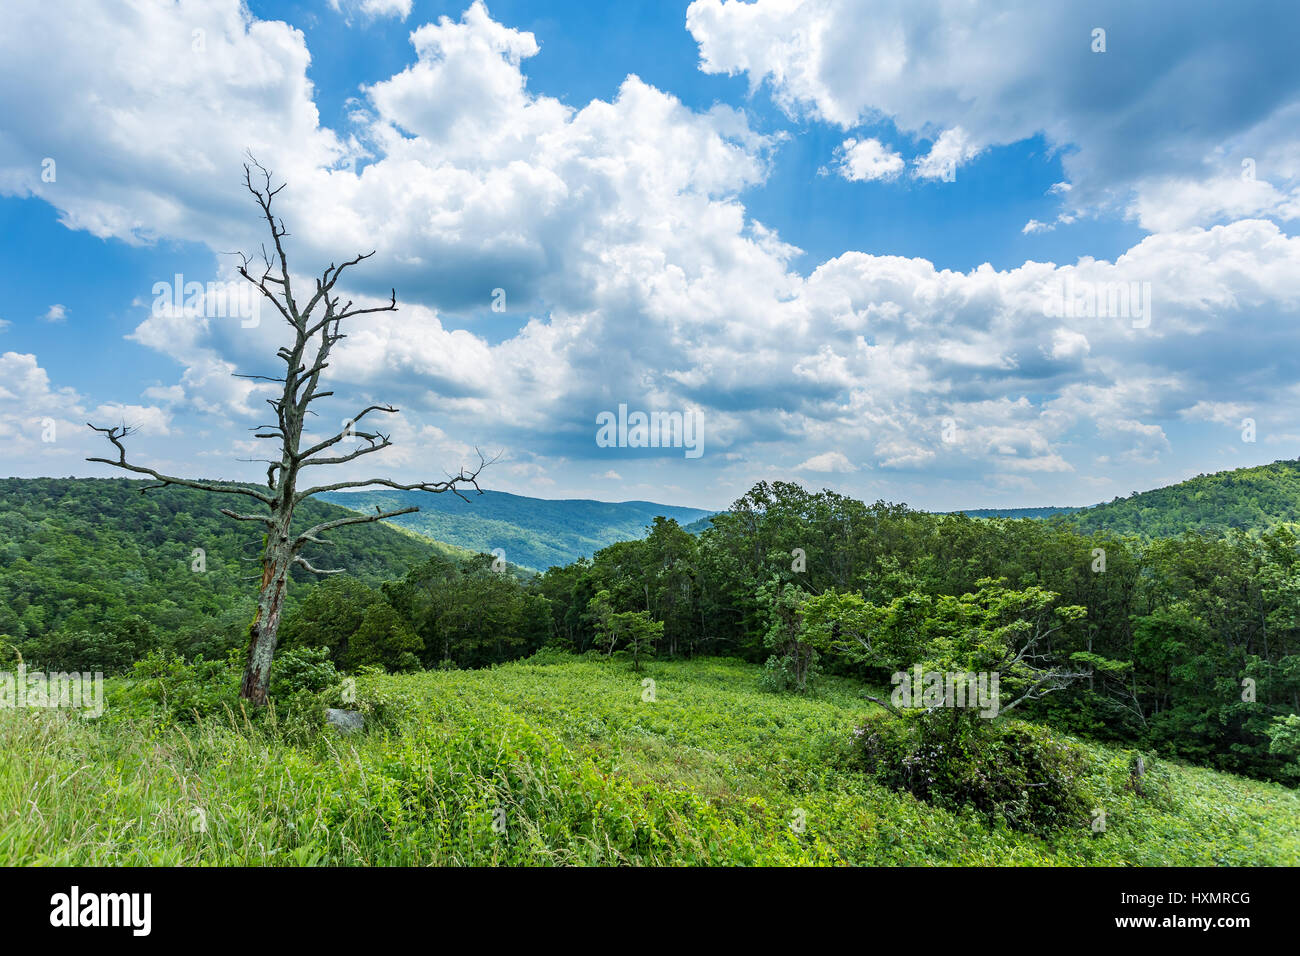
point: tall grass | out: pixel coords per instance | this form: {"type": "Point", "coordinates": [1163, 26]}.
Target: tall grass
{"type": "Point", "coordinates": [566, 763]}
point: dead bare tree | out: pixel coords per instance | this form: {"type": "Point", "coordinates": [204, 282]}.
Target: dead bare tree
{"type": "Point", "coordinates": [305, 361]}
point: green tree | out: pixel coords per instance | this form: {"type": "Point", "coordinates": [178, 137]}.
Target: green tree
{"type": "Point", "coordinates": [330, 615]}
{"type": "Point", "coordinates": [994, 631]}
{"type": "Point", "coordinates": [793, 662]}
{"type": "Point", "coordinates": [386, 639]}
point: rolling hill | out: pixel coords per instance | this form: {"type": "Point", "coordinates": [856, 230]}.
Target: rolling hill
{"type": "Point", "coordinates": [77, 554]}
{"type": "Point", "coordinates": [83, 555]}
{"type": "Point", "coordinates": [535, 533]}
{"type": "Point", "coordinates": [1244, 499]}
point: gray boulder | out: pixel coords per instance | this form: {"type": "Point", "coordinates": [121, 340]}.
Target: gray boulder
{"type": "Point", "coordinates": [344, 721]}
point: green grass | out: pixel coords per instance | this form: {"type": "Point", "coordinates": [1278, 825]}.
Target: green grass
{"type": "Point", "coordinates": [581, 770]}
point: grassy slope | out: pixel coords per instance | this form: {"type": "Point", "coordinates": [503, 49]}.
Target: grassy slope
{"type": "Point", "coordinates": [711, 772]}
{"type": "Point", "coordinates": [535, 533]}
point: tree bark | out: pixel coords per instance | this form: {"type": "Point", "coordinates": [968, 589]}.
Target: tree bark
{"type": "Point", "coordinates": [263, 633]}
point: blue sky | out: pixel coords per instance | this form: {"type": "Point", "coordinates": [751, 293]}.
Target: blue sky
{"type": "Point", "coordinates": [826, 230]}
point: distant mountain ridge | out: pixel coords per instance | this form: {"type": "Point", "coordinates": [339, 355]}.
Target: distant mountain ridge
{"type": "Point", "coordinates": [534, 533]}
{"type": "Point", "coordinates": [1049, 512]}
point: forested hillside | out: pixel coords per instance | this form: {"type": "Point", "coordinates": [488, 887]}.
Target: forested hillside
{"type": "Point", "coordinates": [535, 533]}
{"type": "Point", "coordinates": [700, 524]}
{"type": "Point", "coordinates": [93, 573]}
{"type": "Point", "coordinates": [1241, 499]}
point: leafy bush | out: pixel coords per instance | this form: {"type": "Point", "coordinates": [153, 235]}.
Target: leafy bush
{"type": "Point", "coordinates": [1015, 773]}
{"type": "Point", "coordinates": [167, 687]}
{"type": "Point", "coordinates": [1154, 787]}
{"type": "Point", "coordinates": [180, 691]}
{"type": "Point", "coordinates": [385, 710]}
{"type": "Point", "coordinates": [789, 673]}
{"type": "Point", "coordinates": [549, 656]}
{"type": "Point", "coordinates": [303, 669]}
{"type": "Point", "coordinates": [1284, 741]}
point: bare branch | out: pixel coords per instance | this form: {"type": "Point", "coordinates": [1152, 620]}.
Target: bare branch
{"type": "Point", "coordinates": [1052, 680]}
{"type": "Point", "coordinates": [452, 483]}
{"type": "Point", "coordinates": [348, 311]}
{"type": "Point", "coordinates": [115, 435]}
{"type": "Point", "coordinates": [266, 378]}
{"type": "Point", "coordinates": [325, 285]}
{"type": "Point", "coordinates": [265, 519]}
{"type": "Point", "coordinates": [321, 446]}
{"type": "Point", "coordinates": [311, 533]}
{"type": "Point", "coordinates": [265, 195]}
{"type": "Point", "coordinates": [883, 703]}
{"type": "Point", "coordinates": [383, 442]}
{"type": "Point", "coordinates": [299, 559]}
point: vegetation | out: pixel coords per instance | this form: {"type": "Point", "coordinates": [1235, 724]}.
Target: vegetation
{"type": "Point", "coordinates": [1017, 512]}
{"type": "Point", "coordinates": [1243, 499]}
{"type": "Point", "coordinates": [1189, 646]}
{"type": "Point", "coordinates": [564, 760]}
{"type": "Point", "coordinates": [94, 574]}
{"type": "Point", "coordinates": [715, 697]}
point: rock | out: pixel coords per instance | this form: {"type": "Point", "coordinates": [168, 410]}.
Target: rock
{"type": "Point", "coordinates": [344, 721]}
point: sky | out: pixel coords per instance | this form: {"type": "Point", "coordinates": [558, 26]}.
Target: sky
{"type": "Point", "coordinates": [953, 254]}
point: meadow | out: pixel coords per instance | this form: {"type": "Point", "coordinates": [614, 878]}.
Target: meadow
{"type": "Point", "coordinates": [566, 760]}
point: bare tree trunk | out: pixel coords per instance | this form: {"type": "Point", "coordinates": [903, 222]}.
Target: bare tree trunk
{"type": "Point", "coordinates": [263, 633]}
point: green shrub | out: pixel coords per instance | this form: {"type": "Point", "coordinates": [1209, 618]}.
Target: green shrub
{"type": "Point", "coordinates": [790, 673]}
{"type": "Point", "coordinates": [548, 655]}
{"type": "Point", "coordinates": [1284, 741]}
{"type": "Point", "coordinates": [180, 691]}
{"type": "Point", "coordinates": [385, 710]}
{"type": "Point", "coordinates": [1155, 786]}
{"type": "Point", "coordinates": [304, 682]}
{"type": "Point", "coordinates": [1014, 773]}
{"type": "Point", "coordinates": [302, 669]}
